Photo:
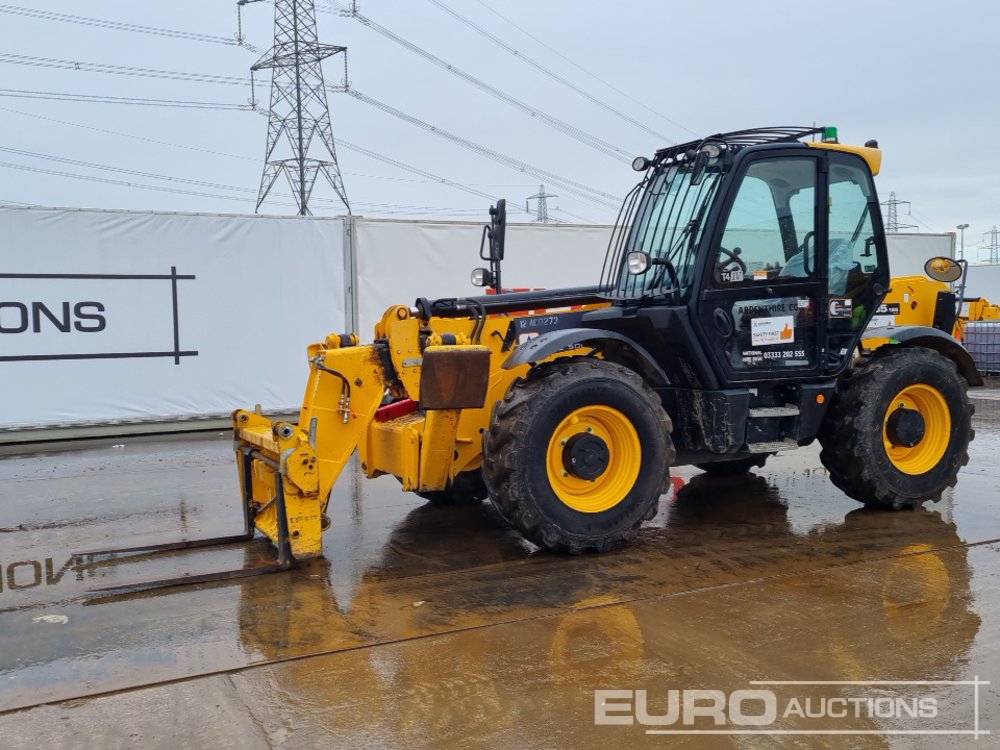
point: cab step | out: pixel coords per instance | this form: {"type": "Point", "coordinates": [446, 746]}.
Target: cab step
{"type": "Point", "coordinates": [772, 447]}
{"type": "Point", "coordinates": [766, 412]}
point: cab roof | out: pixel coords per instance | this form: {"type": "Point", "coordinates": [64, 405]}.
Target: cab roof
{"type": "Point", "coordinates": [740, 139]}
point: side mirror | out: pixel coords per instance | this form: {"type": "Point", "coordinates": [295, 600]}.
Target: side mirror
{"type": "Point", "coordinates": [498, 229]}
{"type": "Point", "coordinates": [491, 247]}
{"type": "Point", "coordinates": [638, 262]}
{"type": "Point", "coordinates": [943, 269]}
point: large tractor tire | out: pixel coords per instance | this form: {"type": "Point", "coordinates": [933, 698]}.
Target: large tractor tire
{"type": "Point", "coordinates": [467, 488]}
{"type": "Point", "coordinates": [734, 467]}
{"type": "Point", "coordinates": [578, 454]}
{"type": "Point", "coordinates": [898, 429]}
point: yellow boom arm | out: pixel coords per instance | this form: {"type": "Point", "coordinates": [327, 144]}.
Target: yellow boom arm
{"type": "Point", "coordinates": [441, 387]}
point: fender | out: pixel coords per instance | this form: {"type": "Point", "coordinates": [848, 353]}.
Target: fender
{"type": "Point", "coordinates": [615, 347]}
{"type": "Point", "coordinates": [931, 338]}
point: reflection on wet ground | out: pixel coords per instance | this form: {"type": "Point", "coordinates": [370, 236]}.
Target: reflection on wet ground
{"type": "Point", "coordinates": [439, 627]}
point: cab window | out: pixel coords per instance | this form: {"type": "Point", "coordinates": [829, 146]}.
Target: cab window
{"type": "Point", "coordinates": [855, 259]}
{"type": "Point", "coordinates": [852, 257]}
{"type": "Point", "coordinates": [769, 234]}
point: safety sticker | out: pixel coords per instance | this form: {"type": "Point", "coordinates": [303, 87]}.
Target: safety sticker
{"type": "Point", "coordinates": [840, 308]}
{"type": "Point", "coordinates": [767, 331]}
{"type": "Point", "coordinates": [760, 274]}
{"type": "Point", "coordinates": [881, 321]}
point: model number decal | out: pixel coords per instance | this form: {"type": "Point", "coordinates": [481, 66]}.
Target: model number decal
{"type": "Point", "coordinates": [541, 321]}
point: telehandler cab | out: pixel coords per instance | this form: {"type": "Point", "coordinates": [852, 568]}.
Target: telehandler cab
{"type": "Point", "coordinates": [729, 324]}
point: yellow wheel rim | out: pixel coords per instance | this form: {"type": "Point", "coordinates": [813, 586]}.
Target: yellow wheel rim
{"type": "Point", "coordinates": [624, 459]}
{"type": "Point", "coordinates": [925, 455]}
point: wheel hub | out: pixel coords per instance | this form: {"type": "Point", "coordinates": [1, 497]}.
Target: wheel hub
{"type": "Point", "coordinates": [916, 429]}
{"type": "Point", "coordinates": [585, 455]}
{"type": "Point", "coordinates": [905, 427]}
{"type": "Point", "coordinates": [593, 458]}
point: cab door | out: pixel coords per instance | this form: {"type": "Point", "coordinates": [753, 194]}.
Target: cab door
{"type": "Point", "coordinates": [763, 283]}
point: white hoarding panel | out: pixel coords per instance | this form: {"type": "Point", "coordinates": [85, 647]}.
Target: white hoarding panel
{"type": "Point", "coordinates": [399, 261]}
{"type": "Point", "coordinates": [135, 316]}
{"type": "Point", "coordinates": [984, 281]}
{"type": "Point", "coordinates": [909, 252]}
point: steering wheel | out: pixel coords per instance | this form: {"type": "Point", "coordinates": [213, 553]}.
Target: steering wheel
{"type": "Point", "coordinates": [732, 258]}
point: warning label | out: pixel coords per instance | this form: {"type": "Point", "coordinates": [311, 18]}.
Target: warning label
{"type": "Point", "coordinates": [769, 331]}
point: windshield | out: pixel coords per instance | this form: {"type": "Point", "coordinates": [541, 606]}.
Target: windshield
{"type": "Point", "coordinates": [668, 224]}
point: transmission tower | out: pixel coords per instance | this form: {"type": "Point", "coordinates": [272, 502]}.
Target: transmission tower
{"type": "Point", "coordinates": [892, 218]}
{"type": "Point", "coordinates": [299, 110]}
{"type": "Point", "coordinates": [542, 212]}
{"type": "Point", "coordinates": [993, 244]}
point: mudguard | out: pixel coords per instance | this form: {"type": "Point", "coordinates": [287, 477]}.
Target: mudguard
{"type": "Point", "coordinates": [614, 346]}
{"type": "Point", "coordinates": [931, 338]}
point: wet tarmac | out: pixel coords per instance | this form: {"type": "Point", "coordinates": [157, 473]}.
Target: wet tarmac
{"type": "Point", "coordinates": [429, 627]}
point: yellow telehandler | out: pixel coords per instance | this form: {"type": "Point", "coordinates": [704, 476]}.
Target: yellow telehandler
{"type": "Point", "coordinates": [730, 323]}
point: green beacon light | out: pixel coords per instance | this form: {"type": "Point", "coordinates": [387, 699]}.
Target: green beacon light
{"type": "Point", "coordinates": [830, 134]}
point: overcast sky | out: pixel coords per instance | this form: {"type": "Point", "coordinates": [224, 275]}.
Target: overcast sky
{"type": "Point", "coordinates": [920, 76]}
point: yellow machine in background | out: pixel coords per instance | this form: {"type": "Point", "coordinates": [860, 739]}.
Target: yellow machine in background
{"type": "Point", "coordinates": [978, 309]}
{"type": "Point", "coordinates": [929, 301]}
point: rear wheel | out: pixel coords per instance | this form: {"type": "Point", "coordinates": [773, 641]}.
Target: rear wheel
{"type": "Point", "coordinates": [734, 467]}
{"type": "Point", "coordinates": [577, 455]}
{"type": "Point", "coordinates": [898, 430]}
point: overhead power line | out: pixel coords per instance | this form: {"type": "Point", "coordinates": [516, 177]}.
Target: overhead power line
{"type": "Point", "coordinates": [100, 99]}
{"type": "Point", "coordinates": [126, 70]}
{"type": "Point", "coordinates": [415, 170]}
{"type": "Point", "coordinates": [123, 170]}
{"type": "Point", "coordinates": [117, 25]}
{"type": "Point", "coordinates": [109, 181]}
{"type": "Point", "coordinates": [563, 127]}
{"type": "Point", "coordinates": [430, 176]}
{"type": "Point", "coordinates": [583, 191]}
{"type": "Point", "coordinates": [584, 219]}
{"type": "Point", "coordinates": [390, 207]}
{"type": "Point", "coordinates": [120, 134]}
{"type": "Point", "coordinates": [555, 76]}
{"type": "Point", "coordinates": [579, 67]}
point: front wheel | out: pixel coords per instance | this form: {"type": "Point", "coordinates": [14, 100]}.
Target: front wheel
{"type": "Point", "coordinates": [899, 428]}
{"type": "Point", "coordinates": [577, 455]}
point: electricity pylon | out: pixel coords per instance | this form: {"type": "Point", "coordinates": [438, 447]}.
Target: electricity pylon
{"type": "Point", "coordinates": [299, 109]}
